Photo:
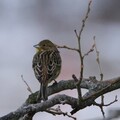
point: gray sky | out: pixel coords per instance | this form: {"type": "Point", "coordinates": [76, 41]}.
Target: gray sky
{"type": "Point", "coordinates": [24, 23]}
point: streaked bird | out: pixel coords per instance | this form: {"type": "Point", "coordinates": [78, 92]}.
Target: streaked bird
{"type": "Point", "coordinates": [46, 65]}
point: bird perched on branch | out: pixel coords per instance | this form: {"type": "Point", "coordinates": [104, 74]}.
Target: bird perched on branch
{"type": "Point", "coordinates": [46, 65]}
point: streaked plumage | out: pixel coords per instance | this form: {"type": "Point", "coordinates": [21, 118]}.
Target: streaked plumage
{"type": "Point", "coordinates": [46, 65]}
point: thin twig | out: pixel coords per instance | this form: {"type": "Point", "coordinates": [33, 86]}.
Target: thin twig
{"type": "Point", "coordinates": [84, 20]}
{"type": "Point", "coordinates": [78, 35]}
{"type": "Point", "coordinates": [98, 59]}
{"type": "Point", "coordinates": [91, 50]}
{"type": "Point", "coordinates": [28, 87]}
{"type": "Point", "coordinates": [115, 100]}
{"type": "Point", "coordinates": [66, 47]}
{"type": "Point", "coordinates": [102, 102]}
{"type": "Point", "coordinates": [58, 111]}
{"type": "Point", "coordinates": [101, 75]}
{"type": "Point", "coordinates": [75, 78]}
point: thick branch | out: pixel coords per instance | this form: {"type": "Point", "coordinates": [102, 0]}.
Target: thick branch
{"type": "Point", "coordinates": [40, 106]}
{"type": "Point", "coordinates": [96, 89]}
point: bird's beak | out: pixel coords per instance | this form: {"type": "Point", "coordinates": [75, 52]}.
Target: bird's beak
{"type": "Point", "coordinates": [36, 46]}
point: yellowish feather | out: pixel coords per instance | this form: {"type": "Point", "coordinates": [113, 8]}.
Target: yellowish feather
{"type": "Point", "coordinates": [39, 50]}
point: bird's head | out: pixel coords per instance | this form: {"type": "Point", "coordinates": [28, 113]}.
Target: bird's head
{"type": "Point", "coordinates": [45, 45]}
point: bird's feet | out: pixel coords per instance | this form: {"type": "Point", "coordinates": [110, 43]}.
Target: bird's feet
{"type": "Point", "coordinates": [38, 98]}
{"type": "Point", "coordinates": [55, 82]}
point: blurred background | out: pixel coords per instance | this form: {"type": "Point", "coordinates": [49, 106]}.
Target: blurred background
{"type": "Point", "coordinates": [24, 23]}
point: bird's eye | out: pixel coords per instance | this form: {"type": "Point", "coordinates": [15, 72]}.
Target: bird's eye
{"type": "Point", "coordinates": [44, 45]}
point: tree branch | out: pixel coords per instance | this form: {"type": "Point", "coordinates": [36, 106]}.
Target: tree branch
{"type": "Point", "coordinates": [96, 89]}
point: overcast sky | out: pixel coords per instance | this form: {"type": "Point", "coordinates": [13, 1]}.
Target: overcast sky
{"type": "Point", "coordinates": [24, 23]}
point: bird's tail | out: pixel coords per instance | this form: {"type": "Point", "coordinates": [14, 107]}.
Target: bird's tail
{"type": "Point", "coordinates": [43, 90]}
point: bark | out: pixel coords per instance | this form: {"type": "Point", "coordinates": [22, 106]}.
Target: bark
{"type": "Point", "coordinates": [95, 89]}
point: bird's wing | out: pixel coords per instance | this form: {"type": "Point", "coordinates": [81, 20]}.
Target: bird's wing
{"type": "Point", "coordinates": [47, 66]}
{"type": "Point", "coordinates": [54, 65]}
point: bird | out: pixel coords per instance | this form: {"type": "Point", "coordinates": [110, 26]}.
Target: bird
{"type": "Point", "coordinates": [46, 65]}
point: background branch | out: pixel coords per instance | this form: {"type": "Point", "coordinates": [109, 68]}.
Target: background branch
{"type": "Point", "coordinates": [101, 75]}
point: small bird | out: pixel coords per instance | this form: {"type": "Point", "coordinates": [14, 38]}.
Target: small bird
{"type": "Point", "coordinates": [46, 65]}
